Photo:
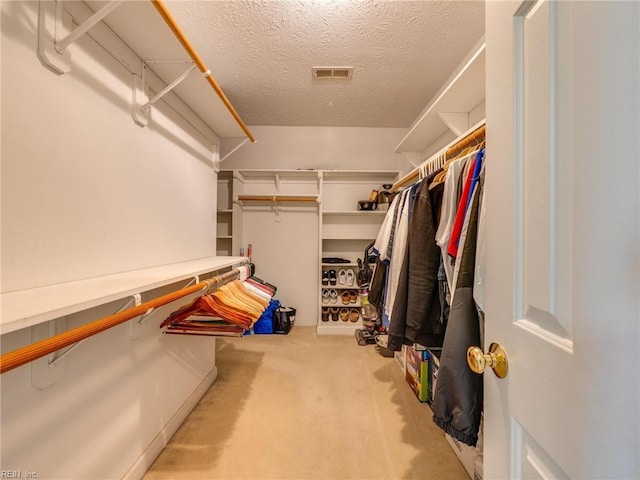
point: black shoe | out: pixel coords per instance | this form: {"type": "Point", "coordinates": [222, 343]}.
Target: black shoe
{"type": "Point", "coordinates": [333, 279]}
{"type": "Point", "coordinates": [325, 277]}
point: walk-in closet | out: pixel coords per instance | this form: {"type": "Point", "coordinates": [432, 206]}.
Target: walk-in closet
{"type": "Point", "coordinates": [291, 239]}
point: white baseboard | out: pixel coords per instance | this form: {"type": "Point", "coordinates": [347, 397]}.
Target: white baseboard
{"type": "Point", "coordinates": [146, 459]}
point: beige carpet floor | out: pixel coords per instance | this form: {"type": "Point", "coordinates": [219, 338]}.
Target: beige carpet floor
{"type": "Point", "coordinates": [303, 406]}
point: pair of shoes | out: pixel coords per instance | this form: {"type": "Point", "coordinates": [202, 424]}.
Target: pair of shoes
{"type": "Point", "coordinates": [325, 295]}
{"type": "Point", "coordinates": [349, 296]}
{"type": "Point", "coordinates": [353, 296]}
{"type": "Point", "coordinates": [351, 278]}
{"type": "Point", "coordinates": [345, 297]}
{"type": "Point", "coordinates": [329, 295]}
{"type": "Point", "coordinates": [346, 277]}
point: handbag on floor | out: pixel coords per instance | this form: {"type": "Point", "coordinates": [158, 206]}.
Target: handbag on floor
{"type": "Point", "coordinates": [283, 320]}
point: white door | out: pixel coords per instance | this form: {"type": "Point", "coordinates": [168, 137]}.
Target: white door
{"type": "Point", "coordinates": [563, 239]}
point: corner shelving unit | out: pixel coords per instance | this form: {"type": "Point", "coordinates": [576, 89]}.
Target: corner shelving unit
{"type": "Point", "coordinates": [346, 231]}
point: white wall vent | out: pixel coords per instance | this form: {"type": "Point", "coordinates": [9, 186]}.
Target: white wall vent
{"type": "Point", "coordinates": [344, 73]}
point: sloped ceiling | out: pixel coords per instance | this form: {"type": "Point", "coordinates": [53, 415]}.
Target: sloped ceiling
{"type": "Point", "coordinates": [262, 53]}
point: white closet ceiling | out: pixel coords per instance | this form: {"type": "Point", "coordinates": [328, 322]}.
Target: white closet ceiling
{"type": "Point", "coordinates": [262, 54]}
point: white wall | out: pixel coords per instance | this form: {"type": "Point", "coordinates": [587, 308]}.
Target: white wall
{"type": "Point", "coordinates": [319, 148]}
{"type": "Point", "coordinates": [86, 192]}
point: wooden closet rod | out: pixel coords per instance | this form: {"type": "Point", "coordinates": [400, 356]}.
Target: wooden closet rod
{"type": "Point", "coordinates": [276, 198]}
{"type": "Point", "coordinates": [476, 135]}
{"type": "Point", "coordinates": [182, 38]}
{"type": "Point", "coordinates": [32, 352]}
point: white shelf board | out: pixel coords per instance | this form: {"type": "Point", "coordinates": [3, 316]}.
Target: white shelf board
{"type": "Point", "coordinates": [338, 328]}
{"type": "Point", "coordinates": [338, 266]}
{"type": "Point", "coordinates": [25, 308]}
{"type": "Point", "coordinates": [140, 26]}
{"type": "Point", "coordinates": [226, 210]}
{"type": "Point", "coordinates": [261, 174]}
{"type": "Point", "coordinates": [355, 212]}
{"type": "Point", "coordinates": [365, 239]}
{"type": "Point", "coordinates": [377, 176]}
{"type": "Point", "coordinates": [464, 91]}
{"type": "Point", "coordinates": [225, 237]}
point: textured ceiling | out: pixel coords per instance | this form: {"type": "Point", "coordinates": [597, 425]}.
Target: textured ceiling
{"type": "Point", "coordinates": [262, 52]}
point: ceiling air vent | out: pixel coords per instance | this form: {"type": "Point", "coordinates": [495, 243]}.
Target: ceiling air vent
{"type": "Point", "coordinates": [343, 73]}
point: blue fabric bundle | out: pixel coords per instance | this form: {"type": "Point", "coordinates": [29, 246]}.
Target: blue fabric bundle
{"type": "Point", "coordinates": [264, 325]}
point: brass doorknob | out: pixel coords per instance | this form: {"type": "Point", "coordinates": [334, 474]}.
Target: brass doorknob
{"type": "Point", "coordinates": [496, 359]}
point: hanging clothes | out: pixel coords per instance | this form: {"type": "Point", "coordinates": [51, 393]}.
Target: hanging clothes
{"type": "Point", "coordinates": [457, 404]}
{"type": "Point", "coordinates": [452, 248]}
{"type": "Point", "coordinates": [390, 246]}
{"type": "Point", "coordinates": [416, 316]}
{"type": "Point", "coordinates": [450, 200]}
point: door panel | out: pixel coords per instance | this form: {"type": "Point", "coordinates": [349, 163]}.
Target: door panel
{"type": "Point", "coordinates": [563, 239]}
{"type": "Point", "coordinates": [544, 290]}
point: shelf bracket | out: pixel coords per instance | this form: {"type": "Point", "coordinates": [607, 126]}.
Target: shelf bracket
{"type": "Point", "coordinates": [89, 23]}
{"type": "Point", "coordinates": [55, 34]}
{"type": "Point", "coordinates": [414, 158]}
{"type": "Point", "coordinates": [44, 371]}
{"type": "Point", "coordinates": [135, 324]}
{"type": "Point", "coordinates": [53, 22]}
{"type": "Point", "coordinates": [276, 209]}
{"type": "Point", "coordinates": [234, 149]}
{"type": "Point", "coordinates": [140, 102]}
{"type": "Point", "coordinates": [458, 123]}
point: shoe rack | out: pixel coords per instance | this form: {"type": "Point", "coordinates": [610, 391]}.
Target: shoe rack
{"type": "Point", "coordinates": [345, 232]}
{"type": "Point", "coordinates": [340, 294]}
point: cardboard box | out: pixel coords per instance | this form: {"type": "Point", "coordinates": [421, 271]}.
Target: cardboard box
{"type": "Point", "coordinates": [417, 372]}
{"type": "Point", "coordinates": [401, 358]}
{"type": "Point", "coordinates": [466, 455]}
{"type": "Point", "coordinates": [434, 365]}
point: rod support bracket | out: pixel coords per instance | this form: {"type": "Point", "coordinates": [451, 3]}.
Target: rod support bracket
{"type": "Point", "coordinates": [134, 325]}
{"type": "Point", "coordinates": [49, 369]}
{"type": "Point", "coordinates": [140, 101]}
{"type": "Point", "coordinates": [140, 97]}
{"type": "Point", "coordinates": [53, 24]}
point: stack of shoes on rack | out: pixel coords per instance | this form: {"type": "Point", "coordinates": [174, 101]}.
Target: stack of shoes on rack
{"type": "Point", "coordinates": [347, 314]}
{"type": "Point", "coordinates": [344, 279]}
{"type": "Point", "coordinates": [334, 313]}
{"type": "Point", "coordinates": [330, 313]}
{"type": "Point", "coordinates": [345, 276]}
{"type": "Point", "coordinates": [347, 297]}
{"type": "Point", "coordinates": [329, 295]}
